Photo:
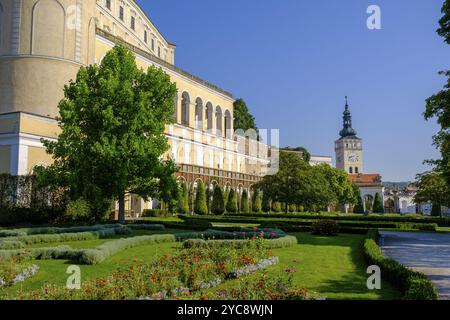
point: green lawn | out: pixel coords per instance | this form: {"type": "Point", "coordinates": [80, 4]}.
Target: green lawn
{"type": "Point", "coordinates": [332, 267]}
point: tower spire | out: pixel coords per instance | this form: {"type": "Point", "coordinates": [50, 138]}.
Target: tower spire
{"type": "Point", "coordinates": [347, 131]}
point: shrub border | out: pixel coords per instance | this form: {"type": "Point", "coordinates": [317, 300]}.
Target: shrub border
{"type": "Point", "coordinates": [413, 285]}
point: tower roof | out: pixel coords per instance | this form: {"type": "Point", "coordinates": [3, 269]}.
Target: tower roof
{"type": "Point", "coordinates": [348, 131]}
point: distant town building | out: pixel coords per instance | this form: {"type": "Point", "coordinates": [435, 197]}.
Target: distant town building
{"type": "Point", "coordinates": [316, 160]}
{"type": "Point", "coordinates": [399, 198]}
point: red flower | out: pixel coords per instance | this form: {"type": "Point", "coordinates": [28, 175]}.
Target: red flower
{"type": "Point", "coordinates": [131, 267]}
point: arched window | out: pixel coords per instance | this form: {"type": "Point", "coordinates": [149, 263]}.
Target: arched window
{"type": "Point", "coordinates": [228, 126]}
{"type": "Point", "coordinates": [219, 116]}
{"type": "Point", "coordinates": [209, 116]}
{"type": "Point", "coordinates": [356, 170]}
{"type": "Point", "coordinates": [350, 170]}
{"type": "Point", "coordinates": [199, 114]}
{"type": "Point", "coordinates": [185, 106]}
{"type": "Point", "coordinates": [48, 33]}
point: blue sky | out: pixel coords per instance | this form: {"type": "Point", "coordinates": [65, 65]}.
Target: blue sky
{"type": "Point", "coordinates": [293, 61]}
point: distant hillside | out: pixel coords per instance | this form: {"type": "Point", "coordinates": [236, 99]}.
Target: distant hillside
{"type": "Point", "coordinates": [396, 185]}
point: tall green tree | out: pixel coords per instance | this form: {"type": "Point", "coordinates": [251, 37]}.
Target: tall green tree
{"type": "Point", "coordinates": [444, 22]}
{"type": "Point", "coordinates": [433, 188]}
{"type": "Point", "coordinates": [244, 202]}
{"type": "Point", "coordinates": [378, 204]}
{"type": "Point", "coordinates": [218, 203]}
{"type": "Point", "coordinates": [242, 117]}
{"type": "Point", "coordinates": [232, 205]}
{"type": "Point", "coordinates": [438, 105]}
{"type": "Point", "coordinates": [339, 183]}
{"type": "Point", "coordinates": [112, 121]}
{"type": "Point", "coordinates": [200, 206]}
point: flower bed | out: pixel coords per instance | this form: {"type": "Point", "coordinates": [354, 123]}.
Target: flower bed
{"type": "Point", "coordinates": [15, 270]}
{"type": "Point", "coordinates": [262, 287]}
{"type": "Point", "coordinates": [168, 277]}
{"type": "Point", "coordinates": [283, 242]}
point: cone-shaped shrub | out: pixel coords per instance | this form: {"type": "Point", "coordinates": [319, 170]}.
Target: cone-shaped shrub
{"type": "Point", "coordinates": [232, 206]}
{"type": "Point", "coordinates": [244, 202]}
{"type": "Point", "coordinates": [266, 203]}
{"type": "Point", "coordinates": [200, 206]}
{"type": "Point", "coordinates": [218, 203]}
{"type": "Point", "coordinates": [256, 202]}
{"type": "Point", "coordinates": [378, 204]}
{"type": "Point", "coordinates": [183, 200]}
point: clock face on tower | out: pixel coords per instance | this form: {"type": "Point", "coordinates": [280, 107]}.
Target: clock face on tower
{"type": "Point", "coordinates": [353, 157]}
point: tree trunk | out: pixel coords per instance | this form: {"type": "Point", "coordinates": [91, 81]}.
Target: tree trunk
{"type": "Point", "coordinates": [287, 208]}
{"type": "Point", "coordinates": [122, 207]}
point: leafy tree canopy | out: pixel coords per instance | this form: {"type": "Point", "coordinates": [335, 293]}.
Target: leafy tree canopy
{"type": "Point", "coordinates": [438, 105]}
{"type": "Point", "coordinates": [444, 30]}
{"type": "Point", "coordinates": [112, 121]}
{"type": "Point", "coordinates": [242, 117]}
{"type": "Point", "coordinates": [433, 188]}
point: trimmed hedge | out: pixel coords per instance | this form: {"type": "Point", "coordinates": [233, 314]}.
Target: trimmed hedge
{"type": "Point", "coordinates": [286, 223]}
{"type": "Point", "coordinates": [414, 285]}
{"type": "Point", "coordinates": [352, 217]}
{"type": "Point", "coordinates": [67, 237]}
{"type": "Point", "coordinates": [241, 234]}
{"type": "Point", "coordinates": [283, 242]}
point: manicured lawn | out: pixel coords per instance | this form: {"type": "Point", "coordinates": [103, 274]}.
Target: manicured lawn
{"type": "Point", "coordinates": [332, 267]}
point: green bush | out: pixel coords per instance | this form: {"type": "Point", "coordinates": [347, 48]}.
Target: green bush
{"type": "Point", "coordinates": [244, 208]}
{"type": "Point", "coordinates": [256, 201]}
{"type": "Point", "coordinates": [276, 206]}
{"type": "Point", "coordinates": [200, 205]}
{"type": "Point", "coordinates": [78, 210]}
{"type": "Point", "coordinates": [325, 228]}
{"type": "Point", "coordinates": [292, 208]}
{"type": "Point", "coordinates": [266, 203]}
{"type": "Point", "coordinates": [218, 203]}
{"type": "Point", "coordinates": [378, 204]}
{"type": "Point", "coordinates": [183, 200]}
{"type": "Point", "coordinates": [414, 285]}
{"type": "Point", "coordinates": [232, 206]}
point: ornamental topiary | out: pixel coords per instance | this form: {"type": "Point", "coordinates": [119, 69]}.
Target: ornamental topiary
{"type": "Point", "coordinates": [266, 203]}
{"type": "Point", "coordinates": [256, 202]}
{"type": "Point", "coordinates": [218, 203]}
{"type": "Point", "coordinates": [378, 204]}
{"type": "Point", "coordinates": [183, 200]}
{"type": "Point", "coordinates": [232, 206]}
{"type": "Point", "coordinates": [244, 202]}
{"type": "Point", "coordinates": [200, 206]}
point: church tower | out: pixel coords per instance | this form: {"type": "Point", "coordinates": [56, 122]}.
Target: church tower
{"type": "Point", "coordinates": [349, 147]}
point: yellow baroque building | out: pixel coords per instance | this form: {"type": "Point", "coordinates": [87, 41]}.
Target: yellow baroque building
{"type": "Point", "coordinates": [43, 43]}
